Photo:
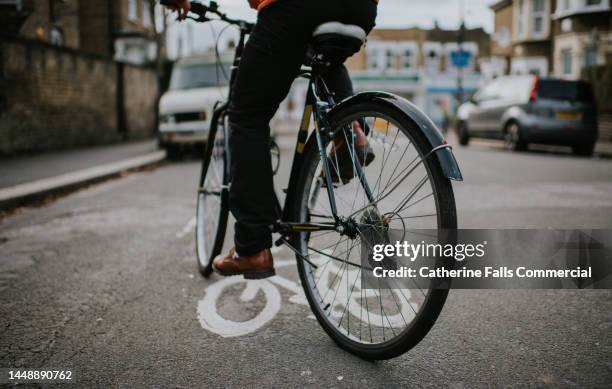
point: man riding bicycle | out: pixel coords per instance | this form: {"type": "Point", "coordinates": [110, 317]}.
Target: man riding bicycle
{"type": "Point", "coordinates": [270, 63]}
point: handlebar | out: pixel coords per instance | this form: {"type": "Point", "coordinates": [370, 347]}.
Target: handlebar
{"type": "Point", "coordinates": [201, 10]}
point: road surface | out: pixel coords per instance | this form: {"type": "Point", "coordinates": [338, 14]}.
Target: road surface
{"type": "Point", "coordinates": [104, 282]}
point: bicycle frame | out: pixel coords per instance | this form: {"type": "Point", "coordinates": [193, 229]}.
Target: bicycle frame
{"type": "Point", "coordinates": [318, 102]}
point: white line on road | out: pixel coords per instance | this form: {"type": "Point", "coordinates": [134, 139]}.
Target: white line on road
{"type": "Point", "coordinates": [190, 226]}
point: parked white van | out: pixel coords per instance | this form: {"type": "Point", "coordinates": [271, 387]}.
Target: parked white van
{"type": "Point", "coordinates": [185, 110]}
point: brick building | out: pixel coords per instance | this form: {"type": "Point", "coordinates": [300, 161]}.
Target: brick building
{"type": "Point", "coordinates": [119, 29]}
{"type": "Point", "coordinates": [72, 73]}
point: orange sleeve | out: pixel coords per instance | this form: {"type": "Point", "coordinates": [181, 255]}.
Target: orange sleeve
{"type": "Point", "coordinates": [263, 3]}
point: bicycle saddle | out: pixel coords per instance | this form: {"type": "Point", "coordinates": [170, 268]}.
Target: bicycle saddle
{"type": "Point", "coordinates": [334, 42]}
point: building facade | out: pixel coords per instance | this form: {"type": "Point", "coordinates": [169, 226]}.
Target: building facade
{"type": "Point", "coordinates": [549, 37]}
{"type": "Point", "coordinates": [501, 41]}
{"type": "Point", "coordinates": [531, 37]}
{"type": "Point", "coordinates": [71, 74]}
{"type": "Point", "coordinates": [119, 29]}
{"type": "Point", "coordinates": [418, 64]}
{"type": "Point", "coordinates": [582, 36]}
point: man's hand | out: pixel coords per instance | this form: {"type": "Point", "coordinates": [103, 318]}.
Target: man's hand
{"type": "Point", "coordinates": [182, 7]}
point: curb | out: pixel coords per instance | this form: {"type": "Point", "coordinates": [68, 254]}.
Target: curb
{"type": "Point", "coordinates": [19, 194]}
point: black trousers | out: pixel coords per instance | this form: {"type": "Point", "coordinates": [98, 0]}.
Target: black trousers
{"type": "Point", "coordinates": [270, 63]}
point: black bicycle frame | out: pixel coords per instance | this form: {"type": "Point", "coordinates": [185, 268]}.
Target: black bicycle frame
{"type": "Point", "coordinates": [319, 101]}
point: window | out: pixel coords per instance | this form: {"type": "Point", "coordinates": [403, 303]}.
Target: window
{"type": "Point", "coordinates": [373, 58]}
{"type": "Point", "coordinates": [521, 22]}
{"type": "Point", "coordinates": [566, 61]}
{"type": "Point", "coordinates": [56, 36]}
{"type": "Point", "coordinates": [593, 2]}
{"type": "Point", "coordinates": [590, 56]}
{"type": "Point", "coordinates": [539, 8]}
{"type": "Point", "coordinates": [538, 5]}
{"type": "Point", "coordinates": [489, 92]}
{"type": "Point", "coordinates": [133, 9]}
{"type": "Point", "coordinates": [391, 59]}
{"type": "Point", "coordinates": [146, 13]}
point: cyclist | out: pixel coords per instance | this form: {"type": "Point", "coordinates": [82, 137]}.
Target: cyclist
{"type": "Point", "coordinates": [270, 63]}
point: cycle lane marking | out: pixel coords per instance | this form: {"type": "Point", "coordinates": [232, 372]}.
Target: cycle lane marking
{"type": "Point", "coordinates": [211, 320]}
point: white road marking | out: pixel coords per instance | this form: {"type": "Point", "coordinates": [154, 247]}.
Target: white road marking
{"type": "Point", "coordinates": [212, 321]}
{"type": "Point", "coordinates": [189, 227]}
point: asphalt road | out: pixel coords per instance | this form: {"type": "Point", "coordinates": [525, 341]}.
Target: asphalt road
{"type": "Point", "coordinates": [103, 281]}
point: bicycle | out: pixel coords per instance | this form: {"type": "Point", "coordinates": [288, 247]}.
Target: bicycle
{"type": "Point", "coordinates": [412, 172]}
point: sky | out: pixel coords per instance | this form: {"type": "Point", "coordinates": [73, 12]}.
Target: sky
{"type": "Point", "coordinates": [391, 14]}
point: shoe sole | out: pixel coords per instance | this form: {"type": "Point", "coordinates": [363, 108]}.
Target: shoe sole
{"type": "Point", "coordinates": [248, 275]}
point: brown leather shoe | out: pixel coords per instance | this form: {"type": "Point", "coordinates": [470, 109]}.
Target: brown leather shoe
{"type": "Point", "coordinates": [254, 267]}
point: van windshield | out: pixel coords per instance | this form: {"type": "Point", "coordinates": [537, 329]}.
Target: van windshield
{"type": "Point", "coordinates": [565, 90]}
{"type": "Point", "coordinates": [190, 76]}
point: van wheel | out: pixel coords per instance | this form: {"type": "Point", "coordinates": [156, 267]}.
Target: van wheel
{"type": "Point", "coordinates": [463, 133]}
{"type": "Point", "coordinates": [513, 138]}
{"type": "Point", "coordinates": [585, 150]}
{"type": "Point", "coordinates": [173, 152]}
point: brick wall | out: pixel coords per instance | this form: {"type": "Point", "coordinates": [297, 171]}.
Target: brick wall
{"type": "Point", "coordinates": [139, 101]}
{"type": "Point", "coordinates": [53, 98]}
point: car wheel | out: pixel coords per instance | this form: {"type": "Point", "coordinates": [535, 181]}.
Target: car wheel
{"type": "Point", "coordinates": [173, 152]}
{"type": "Point", "coordinates": [585, 150]}
{"type": "Point", "coordinates": [513, 137]}
{"type": "Point", "coordinates": [463, 133]}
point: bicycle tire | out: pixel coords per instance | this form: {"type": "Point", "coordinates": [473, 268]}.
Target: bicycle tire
{"type": "Point", "coordinates": [447, 219]}
{"type": "Point", "coordinates": [216, 148]}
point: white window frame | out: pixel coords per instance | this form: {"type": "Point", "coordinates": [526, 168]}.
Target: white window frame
{"type": "Point", "coordinates": [404, 47]}
{"type": "Point", "coordinates": [521, 19]}
{"type": "Point", "coordinates": [146, 13]}
{"type": "Point", "coordinates": [132, 10]}
{"type": "Point", "coordinates": [539, 14]}
{"type": "Point", "coordinates": [571, 7]}
{"type": "Point", "coordinates": [432, 65]}
{"type": "Point", "coordinates": [375, 56]}
{"type": "Point", "coordinates": [564, 54]}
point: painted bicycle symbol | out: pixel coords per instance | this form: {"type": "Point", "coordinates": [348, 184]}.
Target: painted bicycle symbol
{"type": "Point", "coordinates": [212, 320]}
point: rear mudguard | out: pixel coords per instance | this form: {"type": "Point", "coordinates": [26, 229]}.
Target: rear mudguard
{"type": "Point", "coordinates": [442, 151]}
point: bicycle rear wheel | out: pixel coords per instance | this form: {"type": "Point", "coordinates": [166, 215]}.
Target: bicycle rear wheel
{"type": "Point", "coordinates": [409, 191]}
{"type": "Point", "coordinates": [213, 198]}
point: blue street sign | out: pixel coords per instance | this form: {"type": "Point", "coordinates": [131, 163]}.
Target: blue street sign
{"type": "Point", "coordinates": [460, 59]}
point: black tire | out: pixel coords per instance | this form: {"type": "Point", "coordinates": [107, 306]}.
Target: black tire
{"type": "Point", "coordinates": [463, 133]}
{"type": "Point", "coordinates": [584, 150]}
{"type": "Point", "coordinates": [446, 219]}
{"type": "Point", "coordinates": [513, 137]}
{"type": "Point", "coordinates": [173, 152]}
{"type": "Point", "coordinates": [208, 247]}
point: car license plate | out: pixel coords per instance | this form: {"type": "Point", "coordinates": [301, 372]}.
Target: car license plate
{"type": "Point", "coordinates": [575, 116]}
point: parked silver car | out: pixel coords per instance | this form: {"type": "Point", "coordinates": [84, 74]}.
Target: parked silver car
{"type": "Point", "coordinates": [529, 109]}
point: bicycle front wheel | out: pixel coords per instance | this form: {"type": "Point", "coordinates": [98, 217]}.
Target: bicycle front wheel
{"type": "Point", "coordinates": [213, 198]}
{"type": "Point", "coordinates": [406, 189]}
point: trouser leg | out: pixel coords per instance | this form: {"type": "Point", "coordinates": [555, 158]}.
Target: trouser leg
{"type": "Point", "coordinates": [270, 63]}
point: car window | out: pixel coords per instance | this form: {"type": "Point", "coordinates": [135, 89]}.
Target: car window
{"type": "Point", "coordinates": [517, 88]}
{"type": "Point", "coordinates": [189, 76]}
{"type": "Point", "coordinates": [565, 90]}
{"type": "Point", "coordinates": [489, 91]}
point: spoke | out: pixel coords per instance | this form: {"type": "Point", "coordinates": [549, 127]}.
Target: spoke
{"type": "Point", "coordinates": [412, 193]}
